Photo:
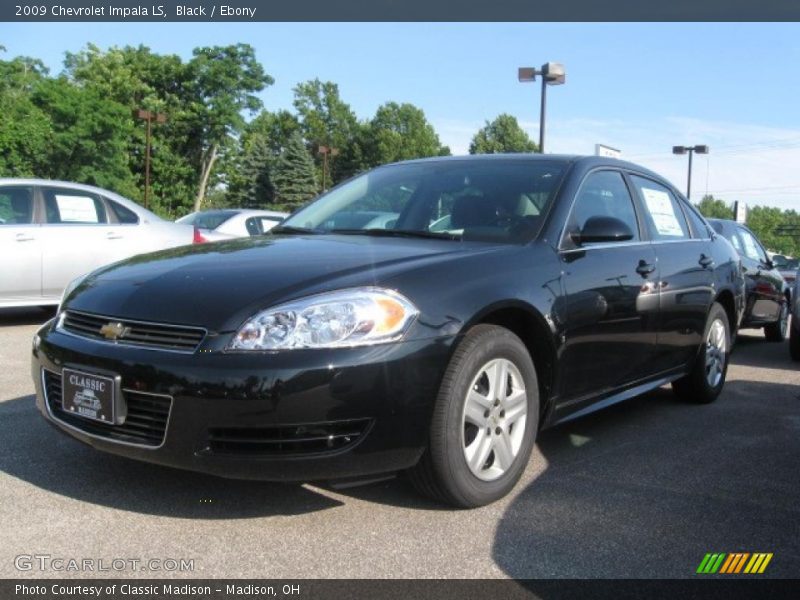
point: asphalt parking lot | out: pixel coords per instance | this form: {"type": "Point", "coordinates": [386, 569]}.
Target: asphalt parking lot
{"type": "Point", "coordinates": [643, 489]}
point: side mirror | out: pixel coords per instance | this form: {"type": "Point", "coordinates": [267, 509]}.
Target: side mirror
{"type": "Point", "coordinates": [603, 229]}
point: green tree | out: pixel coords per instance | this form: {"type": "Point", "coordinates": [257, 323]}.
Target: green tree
{"type": "Point", "coordinates": [251, 184]}
{"type": "Point", "coordinates": [327, 120]}
{"type": "Point", "coordinates": [89, 136]}
{"type": "Point", "coordinates": [294, 176]}
{"type": "Point", "coordinates": [501, 136]}
{"type": "Point", "coordinates": [205, 100]}
{"type": "Point", "coordinates": [25, 129]}
{"type": "Point", "coordinates": [248, 171]}
{"type": "Point", "coordinates": [223, 81]}
{"type": "Point", "coordinates": [714, 208]}
{"type": "Point", "coordinates": [401, 132]}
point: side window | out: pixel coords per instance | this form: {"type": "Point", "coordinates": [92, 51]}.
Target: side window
{"type": "Point", "coordinates": [124, 215]}
{"type": "Point", "coordinates": [699, 227]}
{"type": "Point", "coordinates": [752, 249]}
{"type": "Point", "coordinates": [16, 205]}
{"type": "Point", "coordinates": [253, 226]}
{"type": "Point", "coordinates": [663, 214]}
{"type": "Point", "coordinates": [73, 207]}
{"type": "Point", "coordinates": [603, 194]}
{"type": "Point", "coordinates": [736, 243]}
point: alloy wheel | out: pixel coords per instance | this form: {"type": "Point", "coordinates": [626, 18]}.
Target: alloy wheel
{"type": "Point", "coordinates": [493, 420]}
{"type": "Point", "coordinates": [716, 353]}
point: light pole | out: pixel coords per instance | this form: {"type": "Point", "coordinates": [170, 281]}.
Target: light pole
{"type": "Point", "coordinates": [552, 74]}
{"type": "Point", "coordinates": [690, 150]}
{"type": "Point", "coordinates": [148, 117]}
{"type": "Point", "coordinates": [326, 151]}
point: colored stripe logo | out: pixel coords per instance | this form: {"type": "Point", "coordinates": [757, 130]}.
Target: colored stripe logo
{"type": "Point", "coordinates": [734, 563]}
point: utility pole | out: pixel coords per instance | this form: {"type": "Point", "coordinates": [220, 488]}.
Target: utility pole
{"type": "Point", "coordinates": [148, 117]}
{"type": "Point", "coordinates": [326, 151]}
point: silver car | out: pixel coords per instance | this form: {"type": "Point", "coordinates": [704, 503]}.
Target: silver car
{"type": "Point", "coordinates": [52, 231]}
{"type": "Point", "coordinates": [227, 223]}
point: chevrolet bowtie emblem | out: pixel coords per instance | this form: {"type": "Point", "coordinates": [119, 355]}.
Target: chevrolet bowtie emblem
{"type": "Point", "coordinates": [113, 331]}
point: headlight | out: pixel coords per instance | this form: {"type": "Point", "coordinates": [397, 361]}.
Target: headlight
{"type": "Point", "coordinates": [353, 317]}
{"type": "Point", "coordinates": [68, 290]}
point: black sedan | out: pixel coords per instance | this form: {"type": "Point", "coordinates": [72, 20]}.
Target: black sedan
{"type": "Point", "coordinates": [767, 297]}
{"type": "Point", "coordinates": [511, 293]}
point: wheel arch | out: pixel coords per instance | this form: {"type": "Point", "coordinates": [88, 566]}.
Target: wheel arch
{"type": "Point", "coordinates": [727, 300]}
{"type": "Point", "coordinates": [527, 323]}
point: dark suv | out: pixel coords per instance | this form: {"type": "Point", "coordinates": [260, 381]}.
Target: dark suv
{"type": "Point", "coordinates": [509, 293]}
{"type": "Point", "coordinates": [768, 295]}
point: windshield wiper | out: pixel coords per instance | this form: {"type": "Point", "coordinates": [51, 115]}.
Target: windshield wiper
{"type": "Point", "coordinates": [411, 233]}
{"type": "Point", "coordinates": [292, 229]}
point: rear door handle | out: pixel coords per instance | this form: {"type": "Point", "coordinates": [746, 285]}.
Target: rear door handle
{"type": "Point", "coordinates": [24, 237]}
{"type": "Point", "coordinates": [645, 268]}
{"type": "Point", "coordinates": [706, 261]}
{"type": "Point", "coordinates": [113, 236]}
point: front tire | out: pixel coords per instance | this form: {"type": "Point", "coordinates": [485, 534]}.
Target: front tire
{"type": "Point", "coordinates": [484, 422]}
{"type": "Point", "coordinates": [705, 381]}
{"type": "Point", "coordinates": [776, 332]}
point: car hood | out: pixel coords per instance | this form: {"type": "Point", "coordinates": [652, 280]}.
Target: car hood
{"type": "Point", "coordinates": [218, 285]}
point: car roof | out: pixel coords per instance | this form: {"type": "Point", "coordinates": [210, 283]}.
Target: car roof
{"type": "Point", "coordinates": [126, 202]}
{"type": "Point", "coordinates": [587, 161]}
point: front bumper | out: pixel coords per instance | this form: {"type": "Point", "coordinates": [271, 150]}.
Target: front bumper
{"type": "Point", "coordinates": [258, 415]}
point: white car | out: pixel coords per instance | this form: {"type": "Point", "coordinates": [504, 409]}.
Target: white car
{"type": "Point", "coordinates": [52, 231]}
{"type": "Point", "coordinates": [228, 223]}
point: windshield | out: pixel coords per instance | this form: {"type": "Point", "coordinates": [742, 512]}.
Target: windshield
{"type": "Point", "coordinates": [492, 200]}
{"type": "Point", "coordinates": [210, 219]}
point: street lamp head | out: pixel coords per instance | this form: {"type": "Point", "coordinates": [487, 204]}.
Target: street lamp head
{"type": "Point", "coordinates": [525, 74]}
{"type": "Point", "coordinates": [554, 73]}
{"type": "Point", "coordinates": [701, 149]}
{"type": "Point", "coordinates": [679, 149]}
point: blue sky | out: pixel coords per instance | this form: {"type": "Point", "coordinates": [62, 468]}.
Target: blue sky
{"type": "Point", "coordinates": [638, 87]}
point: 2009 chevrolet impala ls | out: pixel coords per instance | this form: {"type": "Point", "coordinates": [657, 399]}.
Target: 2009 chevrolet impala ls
{"type": "Point", "coordinates": [428, 316]}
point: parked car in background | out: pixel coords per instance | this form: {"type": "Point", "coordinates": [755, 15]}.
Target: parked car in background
{"type": "Point", "coordinates": [794, 335]}
{"type": "Point", "coordinates": [53, 231]}
{"type": "Point", "coordinates": [768, 294]}
{"type": "Point", "coordinates": [229, 223]}
{"type": "Point", "coordinates": [787, 267]}
{"type": "Point", "coordinates": [561, 285]}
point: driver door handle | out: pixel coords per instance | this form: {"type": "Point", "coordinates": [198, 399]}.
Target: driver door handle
{"type": "Point", "coordinates": [24, 237]}
{"type": "Point", "coordinates": [113, 236]}
{"type": "Point", "coordinates": [645, 268]}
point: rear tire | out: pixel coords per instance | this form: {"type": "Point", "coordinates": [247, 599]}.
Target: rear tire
{"type": "Point", "coordinates": [776, 332]}
{"type": "Point", "coordinates": [707, 377]}
{"type": "Point", "coordinates": [484, 422]}
{"type": "Point", "coordinates": [794, 341]}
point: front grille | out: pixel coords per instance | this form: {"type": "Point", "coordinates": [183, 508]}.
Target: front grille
{"type": "Point", "coordinates": [286, 440]}
{"type": "Point", "coordinates": [134, 333]}
{"type": "Point", "coordinates": [145, 424]}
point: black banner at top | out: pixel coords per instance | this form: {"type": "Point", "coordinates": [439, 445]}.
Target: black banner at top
{"type": "Point", "coordinates": [397, 10]}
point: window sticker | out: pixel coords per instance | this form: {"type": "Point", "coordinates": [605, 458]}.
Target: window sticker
{"type": "Point", "coordinates": [76, 209]}
{"type": "Point", "coordinates": [663, 212]}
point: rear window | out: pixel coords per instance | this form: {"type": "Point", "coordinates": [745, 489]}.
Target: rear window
{"type": "Point", "coordinates": [124, 215]}
{"type": "Point", "coordinates": [207, 220]}
{"type": "Point", "coordinates": [16, 205]}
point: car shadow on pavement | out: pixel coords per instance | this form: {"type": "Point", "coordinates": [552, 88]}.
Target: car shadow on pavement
{"type": "Point", "coordinates": [26, 315]}
{"type": "Point", "coordinates": [32, 451]}
{"type": "Point", "coordinates": [647, 487]}
{"type": "Point", "coordinates": [756, 351]}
